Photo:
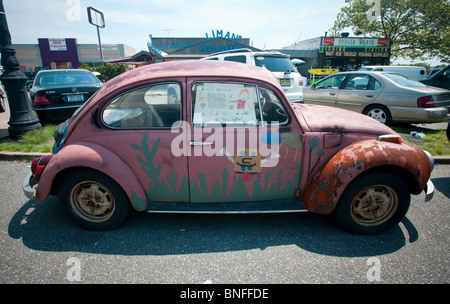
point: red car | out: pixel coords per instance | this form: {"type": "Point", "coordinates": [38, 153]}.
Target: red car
{"type": "Point", "coordinates": [207, 137]}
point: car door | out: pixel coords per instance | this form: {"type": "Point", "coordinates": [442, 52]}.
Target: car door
{"type": "Point", "coordinates": [243, 145]}
{"type": "Point", "coordinates": [357, 92]}
{"type": "Point", "coordinates": [143, 123]}
{"type": "Point", "coordinates": [325, 91]}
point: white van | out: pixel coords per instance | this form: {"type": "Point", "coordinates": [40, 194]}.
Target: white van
{"type": "Point", "coordinates": [415, 72]}
{"type": "Point", "coordinates": [279, 64]}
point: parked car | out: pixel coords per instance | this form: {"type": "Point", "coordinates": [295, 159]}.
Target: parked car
{"type": "Point", "coordinates": [440, 79]}
{"type": "Point", "coordinates": [387, 97]}
{"type": "Point", "coordinates": [415, 72]}
{"type": "Point", "coordinates": [228, 141]}
{"type": "Point", "coordinates": [278, 63]}
{"type": "Point", "coordinates": [56, 94]}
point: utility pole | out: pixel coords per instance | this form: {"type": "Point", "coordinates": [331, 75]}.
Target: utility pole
{"type": "Point", "coordinates": [22, 118]}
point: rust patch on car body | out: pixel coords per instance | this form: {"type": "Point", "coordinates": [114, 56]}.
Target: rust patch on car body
{"type": "Point", "coordinates": [330, 181]}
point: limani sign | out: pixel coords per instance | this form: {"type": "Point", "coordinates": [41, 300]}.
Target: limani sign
{"type": "Point", "coordinates": [219, 34]}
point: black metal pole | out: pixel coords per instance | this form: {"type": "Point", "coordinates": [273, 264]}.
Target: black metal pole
{"type": "Point", "coordinates": [22, 118]}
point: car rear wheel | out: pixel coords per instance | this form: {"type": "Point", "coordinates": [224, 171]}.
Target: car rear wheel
{"type": "Point", "coordinates": [379, 113]}
{"type": "Point", "coordinates": [373, 203]}
{"type": "Point", "coordinates": [93, 200]}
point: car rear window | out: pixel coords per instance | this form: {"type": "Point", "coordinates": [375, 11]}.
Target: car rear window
{"type": "Point", "coordinates": [66, 78]}
{"type": "Point", "coordinates": [404, 81]}
{"type": "Point", "coordinates": [275, 64]}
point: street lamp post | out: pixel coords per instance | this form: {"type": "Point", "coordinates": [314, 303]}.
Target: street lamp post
{"type": "Point", "coordinates": [22, 118]}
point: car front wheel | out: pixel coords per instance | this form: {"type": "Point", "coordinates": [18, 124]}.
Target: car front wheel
{"type": "Point", "coordinates": [373, 203]}
{"type": "Point", "coordinates": [93, 200]}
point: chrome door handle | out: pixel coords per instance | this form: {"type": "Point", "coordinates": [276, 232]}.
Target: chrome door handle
{"type": "Point", "coordinates": [201, 143]}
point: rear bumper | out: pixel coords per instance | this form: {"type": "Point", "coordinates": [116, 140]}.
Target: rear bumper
{"type": "Point", "coordinates": [429, 191]}
{"type": "Point", "coordinates": [28, 189]}
{"type": "Point", "coordinates": [419, 115]}
{"type": "Point", "coordinates": [56, 113]}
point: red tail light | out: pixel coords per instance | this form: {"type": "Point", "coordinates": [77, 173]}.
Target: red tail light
{"type": "Point", "coordinates": [38, 165]}
{"type": "Point", "coordinates": [426, 102]}
{"type": "Point", "coordinates": [300, 83]}
{"type": "Point", "coordinates": [41, 100]}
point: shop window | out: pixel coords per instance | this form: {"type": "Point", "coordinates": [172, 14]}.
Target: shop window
{"type": "Point", "coordinates": [61, 65]}
{"type": "Point", "coordinates": [155, 106]}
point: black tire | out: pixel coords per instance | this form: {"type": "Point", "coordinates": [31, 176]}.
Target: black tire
{"type": "Point", "coordinates": [373, 203]}
{"type": "Point", "coordinates": [93, 200]}
{"type": "Point", "coordinates": [380, 113]}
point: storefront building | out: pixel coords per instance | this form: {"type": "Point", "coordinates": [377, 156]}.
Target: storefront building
{"type": "Point", "coordinates": [343, 53]}
{"type": "Point", "coordinates": [167, 48]}
{"type": "Point", "coordinates": [66, 53]}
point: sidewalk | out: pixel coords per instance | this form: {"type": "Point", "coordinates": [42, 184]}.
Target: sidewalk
{"type": "Point", "coordinates": [4, 118]}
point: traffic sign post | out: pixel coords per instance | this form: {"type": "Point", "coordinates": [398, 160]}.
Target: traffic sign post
{"type": "Point", "coordinates": [96, 18]}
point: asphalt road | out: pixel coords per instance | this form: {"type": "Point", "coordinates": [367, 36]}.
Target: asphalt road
{"type": "Point", "coordinates": [40, 245]}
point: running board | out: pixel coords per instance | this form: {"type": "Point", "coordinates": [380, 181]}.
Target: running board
{"type": "Point", "coordinates": [276, 206]}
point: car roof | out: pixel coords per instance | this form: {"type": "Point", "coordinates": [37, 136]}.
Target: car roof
{"type": "Point", "coordinates": [249, 51]}
{"type": "Point", "coordinates": [64, 70]}
{"type": "Point", "coordinates": [192, 68]}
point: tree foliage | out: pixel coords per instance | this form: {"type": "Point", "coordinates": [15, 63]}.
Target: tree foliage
{"type": "Point", "coordinates": [107, 72]}
{"type": "Point", "coordinates": [416, 29]}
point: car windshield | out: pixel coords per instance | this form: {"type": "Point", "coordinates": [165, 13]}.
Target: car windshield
{"type": "Point", "coordinates": [66, 78]}
{"type": "Point", "coordinates": [275, 64]}
{"type": "Point", "coordinates": [365, 69]}
{"type": "Point", "coordinates": [404, 81]}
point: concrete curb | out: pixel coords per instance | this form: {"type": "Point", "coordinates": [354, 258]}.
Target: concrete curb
{"type": "Point", "coordinates": [17, 156]}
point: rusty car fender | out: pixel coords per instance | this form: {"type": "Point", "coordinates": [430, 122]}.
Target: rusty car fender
{"type": "Point", "coordinates": [328, 184]}
{"type": "Point", "coordinates": [89, 155]}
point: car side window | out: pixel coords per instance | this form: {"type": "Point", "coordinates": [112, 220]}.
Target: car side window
{"type": "Point", "coordinates": [224, 104]}
{"type": "Point", "coordinates": [155, 106]}
{"type": "Point", "coordinates": [272, 110]}
{"type": "Point", "coordinates": [361, 82]}
{"type": "Point", "coordinates": [235, 105]}
{"type": "Point", "coordinates": [331, 82]}
{"type": "Point", "coordinates": [239, 58]}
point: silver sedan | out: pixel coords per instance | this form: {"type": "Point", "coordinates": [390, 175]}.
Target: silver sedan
{"type": "Point", "coordinates": [387, 97]}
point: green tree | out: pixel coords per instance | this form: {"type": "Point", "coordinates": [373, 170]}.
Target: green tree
{"type": "Point", "coordinates": [107, 72]}
{"type": "Point", "coordinates": [416, 29]}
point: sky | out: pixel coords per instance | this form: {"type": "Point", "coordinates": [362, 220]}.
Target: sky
{"type": "Point", "coordinates": [268, 24]}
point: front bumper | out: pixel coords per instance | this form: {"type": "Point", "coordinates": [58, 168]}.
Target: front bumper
{"type": "Point", "coordinates": [28, 188]}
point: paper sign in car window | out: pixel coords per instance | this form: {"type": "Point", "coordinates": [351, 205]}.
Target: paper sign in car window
{"type": "Point", "coordinates": [230, 104]}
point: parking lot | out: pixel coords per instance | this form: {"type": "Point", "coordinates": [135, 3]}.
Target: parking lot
{"type": "Point", "coordinates": [40, 245]}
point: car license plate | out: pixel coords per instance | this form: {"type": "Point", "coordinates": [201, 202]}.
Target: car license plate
{"type": "Point", "coordinates": [75, 98]}
{"type": "Point", "coordinates": [285, 81]}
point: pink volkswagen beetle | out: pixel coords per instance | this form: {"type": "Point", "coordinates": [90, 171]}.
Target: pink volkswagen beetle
{"type": "Point", "coordinates": [222, 137]}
